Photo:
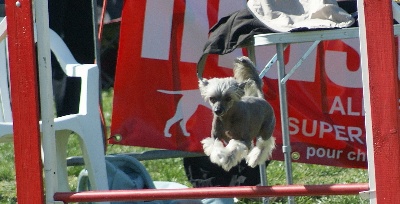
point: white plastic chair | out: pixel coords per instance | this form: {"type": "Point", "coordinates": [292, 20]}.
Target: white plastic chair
{"type": "Point", "coordinates": [86, 124]}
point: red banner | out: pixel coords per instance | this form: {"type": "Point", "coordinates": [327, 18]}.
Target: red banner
{"type": "Point", "coordinates": [157, 102]}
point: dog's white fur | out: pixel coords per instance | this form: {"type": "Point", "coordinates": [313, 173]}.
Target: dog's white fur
{"type": "Point", "coordinates": [241, 114]}
{"type": "Point", "coordinates": [261, 152]}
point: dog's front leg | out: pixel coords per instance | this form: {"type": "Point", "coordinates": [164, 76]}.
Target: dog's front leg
{"type": "Point", "coordinates": [213, 143]}
{"type": "Point", "coordinates": [213, 146]}
{"type": "Point", "coordinates": [217, 129]}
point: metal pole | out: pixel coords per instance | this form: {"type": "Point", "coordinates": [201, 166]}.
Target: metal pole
{"type": "Point", "coordinates": [284, 117]}
{"type": "Point", "coordinates": [263, 171]}
{"type": "Point", "coordinates": [263, 180]}
{"type": "Point", "coordinates": [96, 40]}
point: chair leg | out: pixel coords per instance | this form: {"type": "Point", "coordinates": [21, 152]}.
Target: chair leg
{"type": "Point", "coordinates": [93, 155]}
{"type": "Point", "coordinates": [61, 145]}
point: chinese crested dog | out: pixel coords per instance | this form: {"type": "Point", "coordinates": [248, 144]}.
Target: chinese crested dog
{"type": "Point", "coordinates": [242, 117]}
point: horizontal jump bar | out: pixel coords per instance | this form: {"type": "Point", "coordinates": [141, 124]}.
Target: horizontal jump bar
{"type": "Point", "coordinates": [211, 192]}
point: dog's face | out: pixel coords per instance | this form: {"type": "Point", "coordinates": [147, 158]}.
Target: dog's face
{"type": "Point", "coordinates": [221, 93]}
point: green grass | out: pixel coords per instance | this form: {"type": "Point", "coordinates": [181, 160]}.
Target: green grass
{"type": "Point", "coordinates": [172, 170]}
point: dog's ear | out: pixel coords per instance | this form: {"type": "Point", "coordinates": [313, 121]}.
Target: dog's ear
{"type": "Point", "coordinates": [242, 85]}
{"type": "Point", "coordinates": [248, 87]}
{"type": "Point", "coordinates": [203, 82]}
{"type": "Point", "coordinates": [203, 87]}
{"type": "Point", "coordinates": [239, 90]}
{"type": "Point", "coordinates": [246, 84]}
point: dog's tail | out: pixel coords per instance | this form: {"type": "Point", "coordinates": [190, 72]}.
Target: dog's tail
{"type": "Point", "coordinates": [244, 71]}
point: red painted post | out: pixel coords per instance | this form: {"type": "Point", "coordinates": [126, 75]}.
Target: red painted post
{"type": "Point", "coordinates": [381, 99]}
{"type": "Point", "coordinates": [24, 95]}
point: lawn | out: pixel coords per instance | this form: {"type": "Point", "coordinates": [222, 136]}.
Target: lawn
{"type": "Point", "coordinates": [162, 171]}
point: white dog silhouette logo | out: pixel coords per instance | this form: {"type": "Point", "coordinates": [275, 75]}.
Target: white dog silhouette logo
{"type": "Point", "coordinates": [185, 108]}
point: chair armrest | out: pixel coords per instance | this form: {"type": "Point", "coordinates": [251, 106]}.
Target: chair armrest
{"type": "Point", "coordinates": [89, 96]}
{"type": "Point", "coordinates": [89, 73]}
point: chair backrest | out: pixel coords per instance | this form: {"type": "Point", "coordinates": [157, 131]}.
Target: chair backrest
{"type": "Point", "coordinates": [57, 46]}
{"type": "Point", "coordinates": [5, 105]}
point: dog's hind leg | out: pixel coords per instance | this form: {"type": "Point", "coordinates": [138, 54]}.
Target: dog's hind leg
{"type": "Point", "coordinates": [261, 152]}
{"type": "Point", "coordinates": [265, 143]}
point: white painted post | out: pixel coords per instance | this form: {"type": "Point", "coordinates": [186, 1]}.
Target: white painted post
{"type": "Point", "coordinates": [46, 99]}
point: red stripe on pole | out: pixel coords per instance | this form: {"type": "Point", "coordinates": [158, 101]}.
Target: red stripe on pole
{"type": "Point", "coordinates": [24, 95]}
{"type": "Point", "coordinates": [211, 192]}
{"type": "Point", "coordinates": [383, 82]}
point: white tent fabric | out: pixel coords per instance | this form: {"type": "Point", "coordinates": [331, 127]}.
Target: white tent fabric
{"type": "Point", "coordinates": [290, 15]}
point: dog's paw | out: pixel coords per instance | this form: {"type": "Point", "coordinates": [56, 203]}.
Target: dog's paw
{"type": "Point", "coordinates": [230, 161]}
{"type": "Point", "coordinates": [208, 144]}
{"type": "Point", "coordinates": [235, 152]}
{"type": "Point", "coordinates": [237, 148]}
{"type": "Point", "coordinates": [215, 149]}
{"type": "Point", "coordinates": [253, 157]}
{"type": "Point", "coordinates": [228, 166]}
{"type": "Point", "coordinates": [261, 152]}
{"type": "Point", "coordinates": [218, 156]}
